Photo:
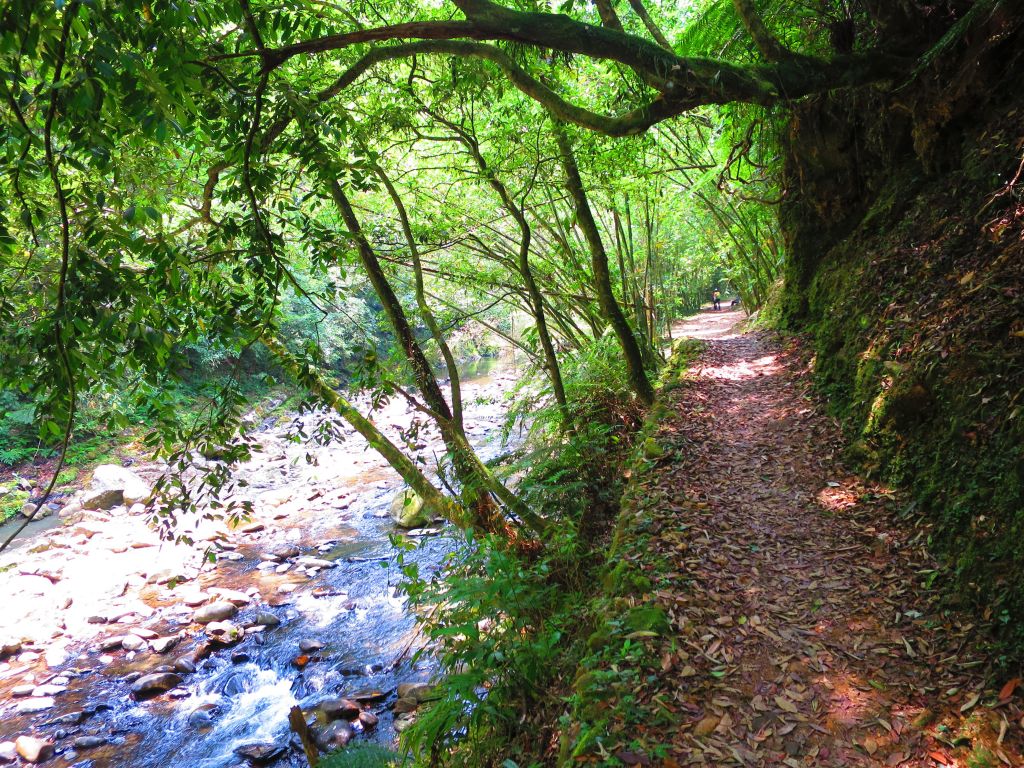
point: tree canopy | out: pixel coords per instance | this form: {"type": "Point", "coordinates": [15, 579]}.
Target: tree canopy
{"type": "Point", "coordinates": [186, 175]}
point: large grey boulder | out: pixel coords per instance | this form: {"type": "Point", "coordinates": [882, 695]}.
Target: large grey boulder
{"type": "Point", "coordinates": [409, 511]}
{"type": "Point", "coordinates": [102, 498]}
{"type": "Point", "coordinates": [219, 611]}
{"type": "Point", "coordinates": [134, 490]}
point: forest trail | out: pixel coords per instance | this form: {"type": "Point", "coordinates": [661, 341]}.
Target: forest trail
{"type": "Point", "coordinates": [804, 633]}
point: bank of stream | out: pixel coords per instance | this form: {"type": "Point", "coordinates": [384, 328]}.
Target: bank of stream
{"type": "Point", "coordinates": [309, 584]}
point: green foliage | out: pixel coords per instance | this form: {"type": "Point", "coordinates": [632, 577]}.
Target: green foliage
{"type": "Point", "coordinates": [11, 503]}
{"type": "Point", "coordinates": [361, 754]}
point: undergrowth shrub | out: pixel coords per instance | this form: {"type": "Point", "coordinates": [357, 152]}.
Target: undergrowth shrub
{"type": "Point", "coordinates": [508, 627]}
{"type": "Point", "coordinates": [361, 755]}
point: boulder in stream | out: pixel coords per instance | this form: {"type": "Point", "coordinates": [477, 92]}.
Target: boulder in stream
{"type": "Point", "coordinates": [35, 704]}
{"type": "Point", "coordinates": [8, 752]}
{"type": "Point", "coordinates": [151, 685]}
{"type": "Point", "coordinates": [260, 753]}
{"type": "Point", "coordinates": [267, 619]}
{"type": "Point", "coordinates": [224, 632]}
{"type": "Point", "coordinates": [33, 750]}
{"type": "Point", "coordinates": [419, 692]}
{"type": "Point", "coordinates": [408, 510]}
{"type": "Point", "coordinates": [134, 490]}
{"type": "Point", "coordinates": [218, 611]}
{"type": "Point", "coordinates": [338, 709]}
{"type": "Point", "coordinates": [335, 736]}
{"type": "Point", "coordinates": [102, 498]}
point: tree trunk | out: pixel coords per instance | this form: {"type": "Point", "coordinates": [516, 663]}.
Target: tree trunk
{"type": "Point", "coordinates": [377, 440]}
{"type": "Point", "coordinates": [421, 302]}
{"type": "Point", "coordinates": [610, 308]}
{"type": "Point", "coordinates": [536, 300]}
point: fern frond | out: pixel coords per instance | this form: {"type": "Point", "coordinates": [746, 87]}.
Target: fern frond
{"type": "Point", "coordinates": [361, 755]}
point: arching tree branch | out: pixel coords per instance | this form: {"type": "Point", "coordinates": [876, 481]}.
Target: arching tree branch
{"type": "Point", "coordinates": [766, 42]}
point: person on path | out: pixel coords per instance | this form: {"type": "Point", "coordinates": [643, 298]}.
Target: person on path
{"type": "Point", "coordinates": [717, 297]}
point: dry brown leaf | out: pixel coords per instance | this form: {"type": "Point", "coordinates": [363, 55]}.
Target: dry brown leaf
{"type": "Point", "coordinates": [786, 704]}
{"type": "Point", "coordinates": [1007, 690]}
{"type": "Point", "coordinates": [870, 745]}
{"type": "Point", "coordinates": [706, 726]}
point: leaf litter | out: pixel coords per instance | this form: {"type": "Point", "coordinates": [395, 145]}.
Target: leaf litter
{"type": "Point", "coordinates": [805, 631]}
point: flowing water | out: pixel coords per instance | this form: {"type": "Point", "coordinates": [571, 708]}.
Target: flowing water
{"type": "Point", "coordinates": [330, 502]}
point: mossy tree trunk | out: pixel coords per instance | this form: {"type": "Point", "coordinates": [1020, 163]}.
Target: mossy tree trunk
{"type": "Point", "coordinates": [610, 308]}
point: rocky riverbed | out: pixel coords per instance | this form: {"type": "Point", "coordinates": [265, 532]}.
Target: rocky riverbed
{"type": "Point", "coordinates": [119, 649]}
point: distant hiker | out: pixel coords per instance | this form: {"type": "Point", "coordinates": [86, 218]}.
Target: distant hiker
{"type": "Point", "coordinates": [734, 303]}
{"type": "Point", "coordinates": [717, 297]}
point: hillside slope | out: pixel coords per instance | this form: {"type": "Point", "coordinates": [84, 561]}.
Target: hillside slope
{"type": "Point", "coordinates": [906, 226]}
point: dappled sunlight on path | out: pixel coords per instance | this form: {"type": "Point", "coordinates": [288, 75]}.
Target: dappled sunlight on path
{"type": "Point", "coordinates": [805, 636]}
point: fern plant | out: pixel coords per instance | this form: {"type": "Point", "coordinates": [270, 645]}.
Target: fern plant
{"type": "Point", "coordinates": [362, 755]}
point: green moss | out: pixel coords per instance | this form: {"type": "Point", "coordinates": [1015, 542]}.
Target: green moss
{"type": "Point", "coordinates": [11, 504]}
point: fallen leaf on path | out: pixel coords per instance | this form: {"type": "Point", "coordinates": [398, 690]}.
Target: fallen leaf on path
{"type": "Point", "coordinates": [870, 745]}
{"type": "Point", "coordinates": [969, 704]}
{"type": "Point", "coordinates": [786, 704]}
{"type": "Point", "coordinates": [706, 726]}
{"type": "Point", "coordinates": [1007, 690]}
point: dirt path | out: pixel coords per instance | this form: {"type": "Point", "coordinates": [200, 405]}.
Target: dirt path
{"type": "Point", "coordinates": [805, 634]}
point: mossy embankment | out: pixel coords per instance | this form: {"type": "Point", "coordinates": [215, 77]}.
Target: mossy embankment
{"type": "Point", "coordinates": [610, 715]}
{"type": "Point", "coordinates": [906, 228]}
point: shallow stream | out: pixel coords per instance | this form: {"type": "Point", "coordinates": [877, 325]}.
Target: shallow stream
{"type": "Point", "coordinates": [328, 502]}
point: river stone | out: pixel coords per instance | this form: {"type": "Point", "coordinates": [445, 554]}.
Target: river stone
{"type": "Point", "coordinates": [9, 647]}
{"type": "Point", "coordinates": [218, 611]}
{"type": "Point", "coordinates": [89, 742]}
{"type": "Point", "coordinates": [416, 691]}
{"type": "Point", "coordinates": [103, 498]}
{"type": "Point", "coordinates": [409, 511]}
{"type": "Point", "coordinates": [285, 551]}
{"type": "Point", "coordinates": [69, 510]}
{"type": "Point", "coordinates": [316, 562]}
{"type": "Point", "coordinates": [224, 632]}
{"type": "Point", "coordinates": [35, 704]}
{"type": "Point", "coordinates": [335, 709]}
{"type": "Point", "coordinates": [184, 665]}
{"type": "Point", "coordinates": [310, 646]}
{"type": "Point", "coordinates": [267, 619]}
{"type": "Point", "coordinates": [34, 512]}
{"type": "Point", "coordinates": [402, 706]}
{"type": "Point", "coordinates": [368, 696]}
{"type": "Point", "coordinates": [164, 644]}
{"type": "Point", "coordinates": [150, 685]}
{"type": "Point", "coordinates": [23, 690]}
{"type": "Point", "coordinates": [33, 750]}
{"type": "Point", "coordinates": [133, 643]}
{"type": "Point", "coordinates": [8, 752]}
{"type": "Point", "coordinates": [49, 689]}
{"type": "Point", "coordinates": [200, 720]}
{"type": "Point", "coordinates": [336, 735]}
{"type": "Point", "coordinates": [240, 599]}
{"type": "Point", "coordinates": [260, 753]}
{"type": "Point", "coordinates": [368, 720]}
{"type": "Point", "coordinates": [134, 490]}
{"type": "Point", "coordinates": [402, 722]}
